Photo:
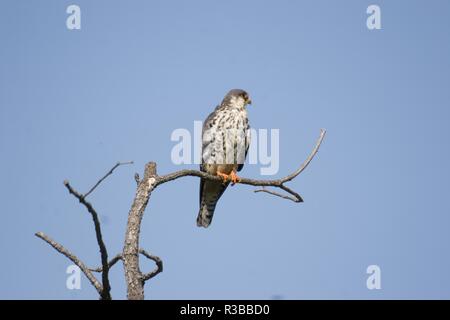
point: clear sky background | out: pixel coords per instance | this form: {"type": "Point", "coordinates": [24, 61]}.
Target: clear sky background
{"type": "Point", "coordinates": [73, 103]}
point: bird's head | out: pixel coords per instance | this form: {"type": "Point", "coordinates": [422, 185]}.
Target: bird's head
{"type": "Point", "coordinates": [237, 97]}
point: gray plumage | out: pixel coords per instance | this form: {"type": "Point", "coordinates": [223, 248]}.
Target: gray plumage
{"type": "Point", "coordinates": [225, 143]}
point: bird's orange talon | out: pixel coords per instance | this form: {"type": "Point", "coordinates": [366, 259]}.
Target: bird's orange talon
{"type": "Point", "coordinates": [234, 178]}
{"type": "Point", "coordinates": [224, 176]}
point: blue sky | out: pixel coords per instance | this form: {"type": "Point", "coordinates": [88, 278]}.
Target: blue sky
{"type": "Point", "coordinates": [73, 103]}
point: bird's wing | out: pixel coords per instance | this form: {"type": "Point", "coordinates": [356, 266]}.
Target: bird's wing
{"type": "Point", "coordinates": [205, 143]}
{"type": "Point", "coordinates": [213, 189]}
{"type": "Point", "coordinates": [248, 139]}
{"type": "Point", "coordinates": [210, 191]}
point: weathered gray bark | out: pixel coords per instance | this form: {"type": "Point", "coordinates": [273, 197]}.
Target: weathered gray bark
{"type": "Point", "coordinates": [135, 279]}
{"type": "Point", "coordinates": [130, 255]}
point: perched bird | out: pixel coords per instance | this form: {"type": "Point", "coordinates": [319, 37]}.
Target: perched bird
{"type": "Point", "coordinates": [225, 143]}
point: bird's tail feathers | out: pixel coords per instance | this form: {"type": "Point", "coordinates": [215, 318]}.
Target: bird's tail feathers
{"type": "Point", "coordinates": [205, 216]}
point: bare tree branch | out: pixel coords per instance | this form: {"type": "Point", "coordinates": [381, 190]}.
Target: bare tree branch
{"type": "Point", "coordinates": [111, 263]}
{"type": "Point", "coordinates": [308, 160]}
{"type": "Point", "coordinates": [296, 198]}
{"type": "Point", "coordinates": [104, 289]}
{"type": "Point", "coordinates": [110, 172]}
{"type": "Point", "coordinates": [106, 293]}
{"type": "Point", "coordinates": [133, 275]}
{"type": "Point", "coordinates": [74, 259]}
{"type": "Point", "coordinates": [135, 279]}
{"type": "Point", "coordinates": [159, 266]}
{"type": "Point", "coordinates": [279, 183]}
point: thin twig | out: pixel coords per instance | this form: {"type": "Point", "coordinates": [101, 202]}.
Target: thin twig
{"type": "Point", "coordinates": [106, 295]}
{"type": "Point", "coordinates": [278, 195]}
{"type": "Point", "coordinates": [74, 259]}
{"type": "Point", "coordinates": [309, 159]}
{"type": "Point", "coordinates": [297, 197]}
{"type": "Point", "coordinates": [111, 263]}
{"type": "Point", "coordinates": [118, 164]}
{"type": "Point", "coordinates": [159, 266]}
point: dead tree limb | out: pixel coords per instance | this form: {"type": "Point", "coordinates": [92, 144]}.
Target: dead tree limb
{"type": "Point", "coordinates": [106, 295]}
{"type": "Point", "coordinates": [279, 183]}
{"type": "Point", "coordinates": [97, 285]}
{"type": "Point", "coordinates": [104, 289]}
{"type": "Point", "coordinates": [133, 275]}
{"type": "Point", "coordinates": [159, 265]}
{"type": "Point", "coordinates": [110, 172]}
{"type": "Point", "coordinates": [135, 279]}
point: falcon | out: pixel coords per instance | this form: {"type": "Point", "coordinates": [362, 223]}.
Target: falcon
{"type": "Point", "coordinates": [225, 143]}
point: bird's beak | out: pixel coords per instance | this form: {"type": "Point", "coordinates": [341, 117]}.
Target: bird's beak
{"type": "Point", "coordinates": [249, 101]}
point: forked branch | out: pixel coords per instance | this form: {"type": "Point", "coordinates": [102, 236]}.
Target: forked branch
{"type": "Point", "coordinates": [97, 285]}
{"type": "Point", "coordinates": [104, 289]}
{"type": "Point", "coordinates": [135, 279]}
{"type": "Point", "coordinates": [159, 265]}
